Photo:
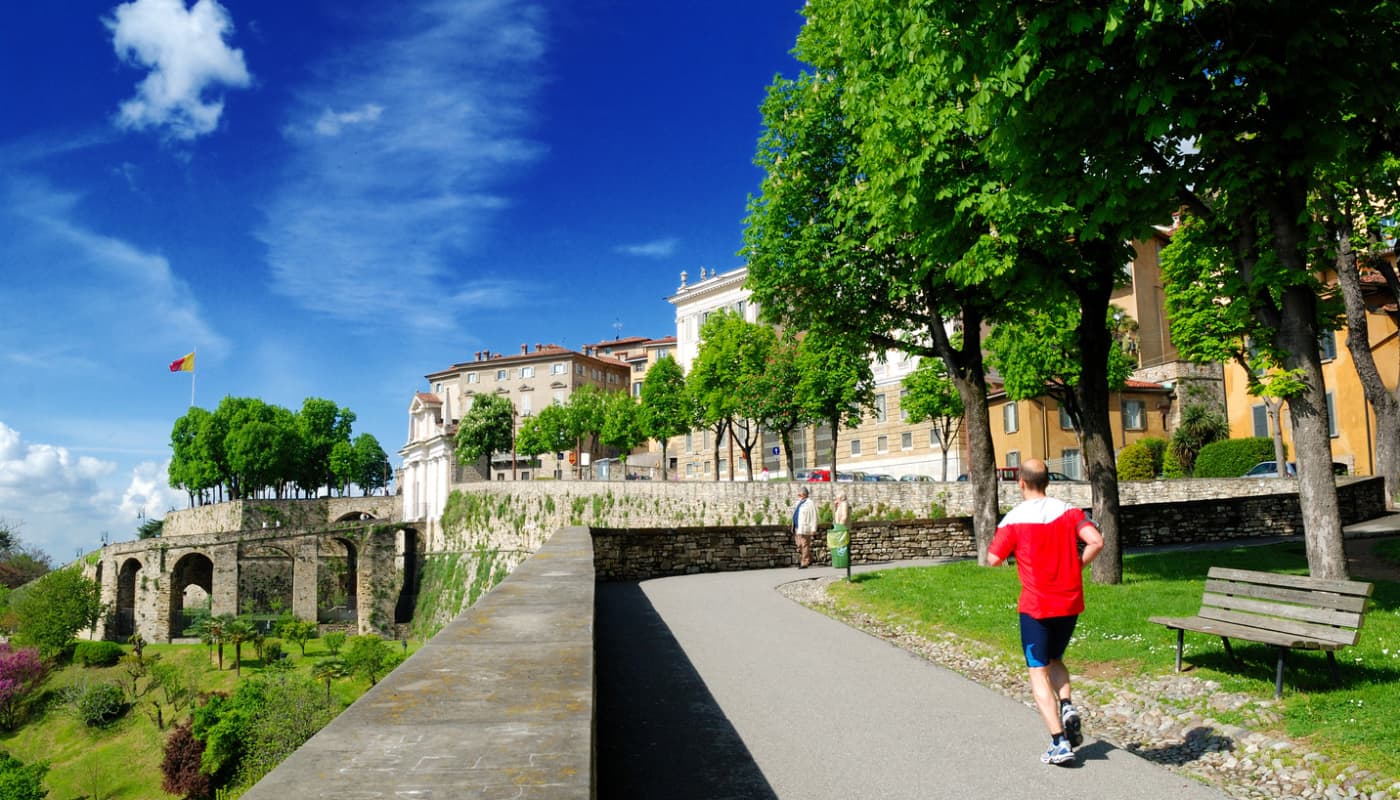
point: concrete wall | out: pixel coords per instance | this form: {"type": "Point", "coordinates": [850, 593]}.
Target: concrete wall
{"type": "Point", "coordinates": [499, 704]}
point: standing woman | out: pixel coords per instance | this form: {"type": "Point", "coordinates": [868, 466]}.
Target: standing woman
{"type": "Point", "coordinates": [838, 541]}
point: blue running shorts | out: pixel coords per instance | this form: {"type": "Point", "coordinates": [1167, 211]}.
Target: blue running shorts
{"type": "Point", "coordinates": [1045, 640]}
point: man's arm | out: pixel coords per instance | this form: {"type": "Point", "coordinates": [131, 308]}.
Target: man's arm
{"type": "Point", "coordinates": [995, 559]}
{"type": "Point", "coordinates": [1093, 542]}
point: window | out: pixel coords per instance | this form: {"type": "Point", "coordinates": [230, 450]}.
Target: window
{"type": "Point", "coordinates": [689, 442]}
{"type": "Point", "coordinates": [579, 370]}
{"type": "Point", "coordinates": [690, 470]}
{"type": "Point", "coordinates": [882, 444]}
{"type": "Point", "coordinates": [1008, 418]}
{"type": "Point", "coordinates": [935, 439]}
{"type": "Point", "coordinates": [559, 398]}
{"type": "Point", "coordinates": [879, 408]}
{"type": "Point", "coordinates": [1331, 415]}
{"type": "Point", "coordinates": [500, 374]}
{"type": "Point", "coordinates": [558, 368]}
{"type": "Point", "coordinates": [1071, 463]}
{"type": "Point", "coordinates": [526, 405]}
{"type": "Point", "coordinates": [1327, 346]}
{"type": "Point", "coordinates": [1134, 415]}
{"type": "Point", "coordinates": [473, 377]}
{"type": "Point", "coordinates": [855, 447]}
{"type": "Point", "coordinates": [527, 372]}
{"type": "Point", "coordinates": [1260, 416]}
{"type": "Point", "coordinates": [904, 415]}
{"type": "Point", "coordinates": [637, 389]}
{"type": "Point", "coordinates": [1013, 458]}
{"type": "Point", "coordinates": [1066, 421]}
{"type": "Point", "coordinates": [906, 440]}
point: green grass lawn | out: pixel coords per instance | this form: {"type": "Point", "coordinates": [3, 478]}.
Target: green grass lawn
{"type": "Point", "coordinates": [122, 761]}
{"type": "Point", "coordinates": [1354, 723]}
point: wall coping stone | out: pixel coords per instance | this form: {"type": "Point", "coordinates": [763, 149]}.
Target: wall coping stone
{"type": "Point", "coordinates": [499, 703]}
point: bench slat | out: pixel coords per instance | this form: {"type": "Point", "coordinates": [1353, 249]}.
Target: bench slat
{"type": "Point", "coordinates": [1358, 588]}
{"type": "Point", "coordinates": [1318, 616]}
{"type": "Point", "coordinates": [1287, 628]}
{"type": "Point", "coordinates": [1216, 627]}
{"type": "Point", "coordinates": [1296, 596]}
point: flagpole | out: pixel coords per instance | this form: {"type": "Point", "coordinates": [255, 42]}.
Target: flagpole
{"type": "Point", "coordinates": [193, 373]}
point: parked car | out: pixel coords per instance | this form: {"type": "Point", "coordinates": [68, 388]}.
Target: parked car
{"type": "Point", "coordinates": [1010, 473]}
{"type": "Point", "coordinates": [819, 476]}
{"type": "Point", "coordinates": [1060, 476]}
{"type": "Point", "coordinates": [801, 475]}
{"type": "Point", "coordinates": [875, 477]}
{"type": "Point", "coordinates": [847, 477]}
{"type": "Point", "coordinates": [1269, 469]}
{"type": "Point", "coordinates": [916, 478]}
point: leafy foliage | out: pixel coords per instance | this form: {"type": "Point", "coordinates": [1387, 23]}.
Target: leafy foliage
{"type": "Point", "coordinates": [95, 703]}
{"type": "Point", "coordinates": [622, 426]}
{"type": "Point", "coordinates": [836, 386]}
{"type": "Point", "coordinates": [1231, 458]}
{"type": "Point", "coordinates": [19, 564]}
{"type": "Point", "coordinates": [180, 766]}
{"type": "Point", "coordinates": [486, 428]}
{"type": "Point", "coordinates": [19, 781]}
{"type": "Point", "coordinates": [666, 411]}
{"type": "Point", "coordinates": [1135, 463]}
{"type": "Point", "coordinates": [1200, 425]}
{"type": "Point", "coordinates": [96, 654]}
{"type": "Point", "coordinates": [334, 640]}
{"type": "Point", "coordinates": [150, 529]}
{"type": "Point", "coordinates": [369, 657]}
{"type": "Point", "coordinates": [54, 608]}
{"type": "Point", "coordinates": [298, 631]}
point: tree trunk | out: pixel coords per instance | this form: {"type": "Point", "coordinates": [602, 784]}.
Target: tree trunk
{"type": "Point", "coordinates": [969, 376]}
{"type": "Point", "coordinates": [1317, 489]}
{"type": "Point", "coordinates": [664, 461]}
{"type": "Point", "coordinates": [1091, 394]}
{"type": "Point", "coordinates": [1274, 409]}
{"type": "Point", "coordinates": [835, 424]}
{"type": "Point", "coordinates": [1382, 401]}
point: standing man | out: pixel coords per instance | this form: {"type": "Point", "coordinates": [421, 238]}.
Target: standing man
{"type": "Point", "coordinates": [804, 526]}
{"type": "Point", "coordinates": [1044, 534]}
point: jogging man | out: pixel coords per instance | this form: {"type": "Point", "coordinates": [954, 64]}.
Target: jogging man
{"type": "Point", "coordinates": [1044, 534]}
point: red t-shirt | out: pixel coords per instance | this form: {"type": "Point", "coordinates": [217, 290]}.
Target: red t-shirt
{"type": "Point", "coordinates": [1044, 536]}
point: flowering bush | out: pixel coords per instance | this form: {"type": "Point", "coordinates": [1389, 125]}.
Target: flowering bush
{"type": "Point", "coordinates": [21, 673]}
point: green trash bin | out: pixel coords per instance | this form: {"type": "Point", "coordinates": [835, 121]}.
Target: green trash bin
{"type": "Point", "coordinates": [838, 542]}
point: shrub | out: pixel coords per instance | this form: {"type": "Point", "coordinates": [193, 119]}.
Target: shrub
{"type": "Point", "coordinates": [97, 654]}
{"type": "Point", "coordinates": [369, 656]}
{"type": "Point", "coordinates": [1158, 447]}
{"type": "Point", "coordinates": [334, 641]}
{"type": "Point", "coordinates": [1200, 426]}
{"type": "Point", "coordinates": [96, 704]}
{"type": "Point", "coordinates": [1171, 467]}
{"type": "Point", "coordinates": [55, 608]}
{"type": "Point", "coordinates": [1135, 463]}
{"type": "Point", "coordinates": [180, 767]}
{"type": "Point", "coordinates": [20, 781]}
{"type": "Point", "coordinates": [1231, 458]}
{"type": "Point", "coordinates": [272, 651]}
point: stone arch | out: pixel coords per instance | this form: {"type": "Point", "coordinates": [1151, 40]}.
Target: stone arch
{"type": "Point", "coordinates": [194, 571]}
{"type": "Point", "coordinates": [355, 516]}
{"type": "Point", "coordinates": [337, 580]}
{"type": "Point", "coordinates": [124, 611]}
{"type": "Point", "coordinates": [266, 573]}
{"type": "Point", "coordinates": [410, 548]}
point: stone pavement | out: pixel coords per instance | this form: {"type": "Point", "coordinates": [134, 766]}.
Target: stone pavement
{"type": "Point", "coordinates": [717, 686]}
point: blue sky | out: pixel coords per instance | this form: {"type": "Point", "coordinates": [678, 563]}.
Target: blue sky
{"type": "Point", "coordinates": [331, 198]}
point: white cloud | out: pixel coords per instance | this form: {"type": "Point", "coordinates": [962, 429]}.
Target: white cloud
{"type": "Point", "coordinates": [185, 52]}
{"type": "Point", "coordinates": [42, 476]}
{"type": "Point", "coordinates": [149, 493]}
{"type": "Point", "coordinates": [660, 248]}
{"type": "Point", "coordinates": [401, 154]}
{"type": "Point", "coordinates": [331, 122]}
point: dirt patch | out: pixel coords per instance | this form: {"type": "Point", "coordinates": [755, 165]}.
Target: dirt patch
{"type": "Point", "coordinates": [1363, 564]}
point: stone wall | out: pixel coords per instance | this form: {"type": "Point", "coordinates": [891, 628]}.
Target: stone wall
{"type": "Point", "coordinates": [238, 515]}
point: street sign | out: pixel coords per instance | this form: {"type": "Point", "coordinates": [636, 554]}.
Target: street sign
{"type": "Point", "coordinates": [775, 451]}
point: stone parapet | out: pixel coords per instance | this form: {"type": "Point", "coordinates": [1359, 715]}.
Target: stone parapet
{"type": "Point", "coordinates": [240, 515]}
{"type": "Point", "coordinates": [499, 704]}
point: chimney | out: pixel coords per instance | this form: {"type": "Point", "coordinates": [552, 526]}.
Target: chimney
{"type": "Point", "coordinates": [538, 347]}
{"type": "Point", "coordinates": [524, 349]}
{"type": "Point", "coordinates": [478, 355]}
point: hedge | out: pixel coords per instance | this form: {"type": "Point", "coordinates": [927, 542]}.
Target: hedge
{"type": "Point", "coordinates": [1232, 458]}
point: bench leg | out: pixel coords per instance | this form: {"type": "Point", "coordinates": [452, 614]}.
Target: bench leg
{"type": "Point", "coordinates": [1332, 665]}
{"type": "Point", "coordinates": [1229, 651]}
{"type": "Point", "coordinates": [1180, 640]}
{"type": "Point", "coordinates": [1278, 673]}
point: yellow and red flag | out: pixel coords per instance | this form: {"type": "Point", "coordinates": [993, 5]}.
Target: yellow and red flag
{"type": "Point", "coordinates": [185, 364]}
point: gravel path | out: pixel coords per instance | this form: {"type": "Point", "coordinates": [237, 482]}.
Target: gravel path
{"type": "Point", "coordinates": [1165, 719]}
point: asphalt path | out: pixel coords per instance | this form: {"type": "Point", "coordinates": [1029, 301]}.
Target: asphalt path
{"type": "Point", "coordinates": [717, 686]}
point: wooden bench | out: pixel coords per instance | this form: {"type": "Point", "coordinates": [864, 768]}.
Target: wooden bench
{"type": "Point", "coordinates": [1286, 611]}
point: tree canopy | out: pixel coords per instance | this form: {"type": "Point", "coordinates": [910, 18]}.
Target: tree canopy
{"type": "Point", "coordinates": [487, 428]}
{"type": "Point", "coordinates": [666, 408]}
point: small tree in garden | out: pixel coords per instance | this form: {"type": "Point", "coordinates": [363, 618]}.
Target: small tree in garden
{"type": "Point", "coordinates": [55, 608]}
{"type": "Point", "coordinates": [20, 781]}
{"type": "Point", "coordinates": [369, 657]}
{"type": "Point", "coordinates": [297, 631]}
{"type": "Point", "coordinates": [180, 768]}
{"type": "Point", "coordinates": [22, 671]}
{"type": "Point", "coordinates": [238, 632]}
{"type": "Point", "coordinates": [334, 641]}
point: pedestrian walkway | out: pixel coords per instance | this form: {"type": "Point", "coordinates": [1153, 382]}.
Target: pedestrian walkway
{"type": "Point", "coordinates": [717, 686]}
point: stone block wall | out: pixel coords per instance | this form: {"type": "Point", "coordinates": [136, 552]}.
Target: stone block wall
{"type": "Point", "coordinates": [239, 515]}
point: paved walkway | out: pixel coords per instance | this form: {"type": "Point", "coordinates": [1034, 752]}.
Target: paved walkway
{"type": "Point", "coordinates": [717, 686]}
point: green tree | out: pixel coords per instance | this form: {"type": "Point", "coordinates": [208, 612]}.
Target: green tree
{"type": "Point", "coordinates": [320, 425]}
{"type": "Point", "coordinates": [586, 411]}
{"type": "Point", "coordinates": [53, 609]}
{"type": "Point", "coordinates": [237, 632]}
{"type": "Point", "coordinates": [486, 429]}
{"type": "Point", "coordinates": [373, 464]}
{"type": "Point", "coordinates": [345, 467]}
{"type": "Point", "coordinates": [666, 411]}
{"type": "Point", "coordinates": [368, 656]}
{"type": "Point", "coordinates": [1200, 425]}
{"type": "Point", "coordinates": [196, 454]}
{"type": "Point", "coordinates": [933, 398]}
{"type": "Point", "coordinates": [150, 529]}
{"type": "Point", "coordinates": [727, 371]}
{"type": "Point", "coordinates": [298, 631]}
{"type": "Point", "coordinates": [622, 426]}
{"type": "Point", "coordinates": [292, 711]}
{"type": "Point", "coordinates": [549, 431]}
{"type": "Point", "coordinates": [772, 396]}
{"type": "Point", "coordinates": [836, 386]}
{"type": "Point", "coordinates": [19, 563]}
{"type": "Point", "coordinates": [713, 379]}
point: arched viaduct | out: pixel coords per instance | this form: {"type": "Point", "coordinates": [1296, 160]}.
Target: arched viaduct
{"type": "Point", "coordinates": [333, 560]}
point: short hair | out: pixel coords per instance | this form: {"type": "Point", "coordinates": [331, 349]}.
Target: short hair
{"type": "Point", "coordinates": [802, 490]}
{"type": "Point", "coordinates": [1035, 474]}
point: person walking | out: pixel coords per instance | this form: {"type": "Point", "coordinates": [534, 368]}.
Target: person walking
{"type": "Point", "coordinates": [804, 526]}
{"type": "Point", "coordinates": [1044, 534]}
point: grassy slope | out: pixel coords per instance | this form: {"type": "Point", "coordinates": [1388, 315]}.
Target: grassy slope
{"type": "Point", "coordinates": [122, 761]}
{"type": "Point", "coordinates": [1355, 723]}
